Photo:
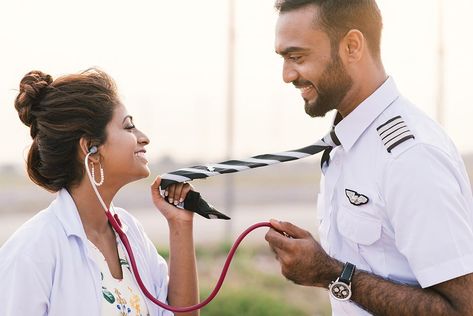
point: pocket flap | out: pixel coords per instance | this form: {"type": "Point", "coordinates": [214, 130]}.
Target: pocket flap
{"type": "Point", "coordinates": [357, 227]}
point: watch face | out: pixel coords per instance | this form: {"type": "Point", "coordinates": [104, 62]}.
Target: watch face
{"type": "Point", "coordinates": [340, 291]}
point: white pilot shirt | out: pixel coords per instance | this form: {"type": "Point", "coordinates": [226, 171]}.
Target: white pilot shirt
{"type": "Point", "coordinates": [396, 200]}
{"type": "Point", "coordinates": [46, 267]}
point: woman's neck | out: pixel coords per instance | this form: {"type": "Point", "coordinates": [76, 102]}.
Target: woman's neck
{"type": "Point", "coordinates": [91, 211]}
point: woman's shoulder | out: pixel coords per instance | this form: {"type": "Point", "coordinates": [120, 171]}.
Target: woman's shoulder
{"type": "Point", "coordinates": [34, 238]}
{"type": "Point", "coordinates": [129, 220]}
{"type": "Point", "coordinates": [135, 231]}
{"type": "Point", "coordinates": [132, 226]}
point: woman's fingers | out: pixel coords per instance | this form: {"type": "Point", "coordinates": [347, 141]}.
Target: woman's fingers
{"type": "Point", "coordinates": [185, 189]}
{"type": "Point", "coordinates": [170, 193]}
{"type": "Point", "coordinates": [177, 193]}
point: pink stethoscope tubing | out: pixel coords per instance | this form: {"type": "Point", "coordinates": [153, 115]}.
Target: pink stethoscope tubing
{"type": "Point", "coordinates": [116, 224]}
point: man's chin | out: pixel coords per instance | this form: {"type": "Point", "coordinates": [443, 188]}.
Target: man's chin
{"type": "Point", "coordinates": [313, 110]}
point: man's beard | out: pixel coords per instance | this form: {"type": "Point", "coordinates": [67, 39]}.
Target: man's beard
{"type": "Point", "coordinates": [332, 87]}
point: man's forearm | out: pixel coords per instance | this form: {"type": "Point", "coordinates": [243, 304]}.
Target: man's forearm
{"type": "Point", "coordinates": [384, 297]}
{"type": "Point", "coordinates": [372, 293]}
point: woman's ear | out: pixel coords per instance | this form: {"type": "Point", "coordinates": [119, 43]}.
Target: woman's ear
{"type": "Point", "coordinates": [85, 147]}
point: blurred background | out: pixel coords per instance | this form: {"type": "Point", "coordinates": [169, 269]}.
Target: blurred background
{"type": "Point", "coordinates": [202, 80]}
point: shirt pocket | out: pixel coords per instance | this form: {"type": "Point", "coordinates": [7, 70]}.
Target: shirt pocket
{"type": "Point", "coordinates": [360, 228]}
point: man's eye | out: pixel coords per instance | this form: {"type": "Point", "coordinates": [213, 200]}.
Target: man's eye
{"type": "Point", "coordinates": [294, 58]}
{"type": "Point", "coordinates": [130, 127]}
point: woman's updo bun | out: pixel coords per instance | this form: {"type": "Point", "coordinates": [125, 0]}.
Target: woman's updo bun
{"type": "Point", "coordinates": [59, 113]}
{"type": "Point", "coordinates": [32, 88]}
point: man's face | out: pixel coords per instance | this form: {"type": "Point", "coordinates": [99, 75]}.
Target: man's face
{"type": "Point", "coordinates": [309, 63]}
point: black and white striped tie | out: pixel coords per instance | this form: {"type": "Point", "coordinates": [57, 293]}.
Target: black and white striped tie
{"type": "Point", "coordinates": [194, 201]}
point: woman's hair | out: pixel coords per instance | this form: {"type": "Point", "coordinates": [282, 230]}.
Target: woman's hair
{"type": "Point", "coordinates": [59, 113]}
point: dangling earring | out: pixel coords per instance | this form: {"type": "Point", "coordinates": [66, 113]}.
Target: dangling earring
{"type": "Point", "coordinates": [101, 174]}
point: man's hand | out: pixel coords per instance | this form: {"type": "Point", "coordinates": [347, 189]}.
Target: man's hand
{"type": "Point", "coordinates": [302, 259]}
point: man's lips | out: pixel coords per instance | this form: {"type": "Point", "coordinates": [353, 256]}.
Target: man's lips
{"type": "Point", "coordinates": [307, 92]}
{"type": "Point", "coordinates": [306, 88]}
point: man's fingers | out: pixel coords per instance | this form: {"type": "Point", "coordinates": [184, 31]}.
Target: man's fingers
{"type": "Point", "coordinates": [280, 245]}
{"type": "Point", "coordinates": [290, 229]}
{"type": "Point", "coordinates": [276, 240]}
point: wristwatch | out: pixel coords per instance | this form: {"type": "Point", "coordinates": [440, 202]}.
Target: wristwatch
{"type": "Point", "coordinates": [340, 289]}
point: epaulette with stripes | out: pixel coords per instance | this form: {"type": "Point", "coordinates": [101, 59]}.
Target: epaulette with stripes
{"type": "Point", "coordinates": [394, 132]}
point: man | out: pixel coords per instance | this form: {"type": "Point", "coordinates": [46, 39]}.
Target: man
{"type": "Point", "coordinates": [395, 207]}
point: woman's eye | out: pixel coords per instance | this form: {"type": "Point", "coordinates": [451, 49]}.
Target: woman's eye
{"type": "Point", "coordinates": [130, 127]}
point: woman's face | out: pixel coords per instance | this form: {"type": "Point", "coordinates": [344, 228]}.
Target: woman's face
{"type": "Point", "coordinates": [123, 155]}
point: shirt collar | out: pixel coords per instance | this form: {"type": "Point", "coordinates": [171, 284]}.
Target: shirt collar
{"type": "Point", "coordinates": [66, 211]}
{"type": "Point", "coordinates": [352, 126]}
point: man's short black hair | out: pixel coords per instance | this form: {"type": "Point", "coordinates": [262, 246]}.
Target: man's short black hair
{"type": "Point", "coordinates": [337, 17]}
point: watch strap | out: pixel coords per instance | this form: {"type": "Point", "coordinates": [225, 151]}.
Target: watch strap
{"type": "Point", "coordinates": [347, 273]}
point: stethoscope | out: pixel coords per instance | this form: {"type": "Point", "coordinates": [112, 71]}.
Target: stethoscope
{"type": "Point", "coordinates": [117, 226]}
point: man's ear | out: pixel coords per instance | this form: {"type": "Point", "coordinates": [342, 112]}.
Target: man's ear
{"type": "Point", "coordinates": [85, 146]}
{"type": "Point", "coordinates": [352, 46]}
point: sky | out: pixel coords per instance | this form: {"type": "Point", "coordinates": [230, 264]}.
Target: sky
{"type": "Point", "coordinates": [169, 60]}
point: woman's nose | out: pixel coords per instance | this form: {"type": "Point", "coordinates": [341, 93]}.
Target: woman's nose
{"type": "Point", "coordinates": [142, 138]}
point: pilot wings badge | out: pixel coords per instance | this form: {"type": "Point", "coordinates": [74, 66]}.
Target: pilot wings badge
{"type": "Point", "coordinates": [356, 198]}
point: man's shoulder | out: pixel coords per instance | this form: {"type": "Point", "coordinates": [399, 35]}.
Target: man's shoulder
{"type": "Point", "coordinates": [403, 126]}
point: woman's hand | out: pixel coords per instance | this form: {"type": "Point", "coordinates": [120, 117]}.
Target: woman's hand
{"type": "Point", "coordinates": [183, 289]}
{"type": "Point", "coordinates": [176, 193]}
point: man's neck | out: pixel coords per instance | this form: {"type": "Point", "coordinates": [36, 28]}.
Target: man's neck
{"type": "Point", "coordinates": [363, 86]}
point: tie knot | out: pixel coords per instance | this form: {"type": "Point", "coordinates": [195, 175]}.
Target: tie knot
{"type": "Point", "coordinates": [331, 139]}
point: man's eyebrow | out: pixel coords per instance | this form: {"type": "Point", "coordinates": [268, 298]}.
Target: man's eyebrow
{"type": "Point", "coordinates": [292, 49]}
{"type": "Point", "coordinates": [128, 116]}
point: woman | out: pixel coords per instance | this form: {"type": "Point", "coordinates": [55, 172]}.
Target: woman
{"type": "Point", "coordinates": [67, 260]}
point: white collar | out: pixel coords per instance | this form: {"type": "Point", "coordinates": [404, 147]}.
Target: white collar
{"type": "Point", "coordinates": [66, 211]}
{"type": "Point", "coordinates": [350, 129]}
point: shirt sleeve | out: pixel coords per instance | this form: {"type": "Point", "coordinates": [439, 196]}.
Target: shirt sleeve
{"type": "Point", "coordinates": [24, 289]}
{"type": "Point", "coordinates": [428, 200]}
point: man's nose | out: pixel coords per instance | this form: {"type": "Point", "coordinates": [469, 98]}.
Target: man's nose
{"type": "Point", "coordinates": [289, 74]}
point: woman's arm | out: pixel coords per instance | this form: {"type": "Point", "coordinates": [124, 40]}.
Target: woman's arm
{"type": "Point", "coordinates": [183, 284]}
{"type": "Point", "coordinates": [25, 289]}
{"type": "Point", "coordinates": [183, 289]}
